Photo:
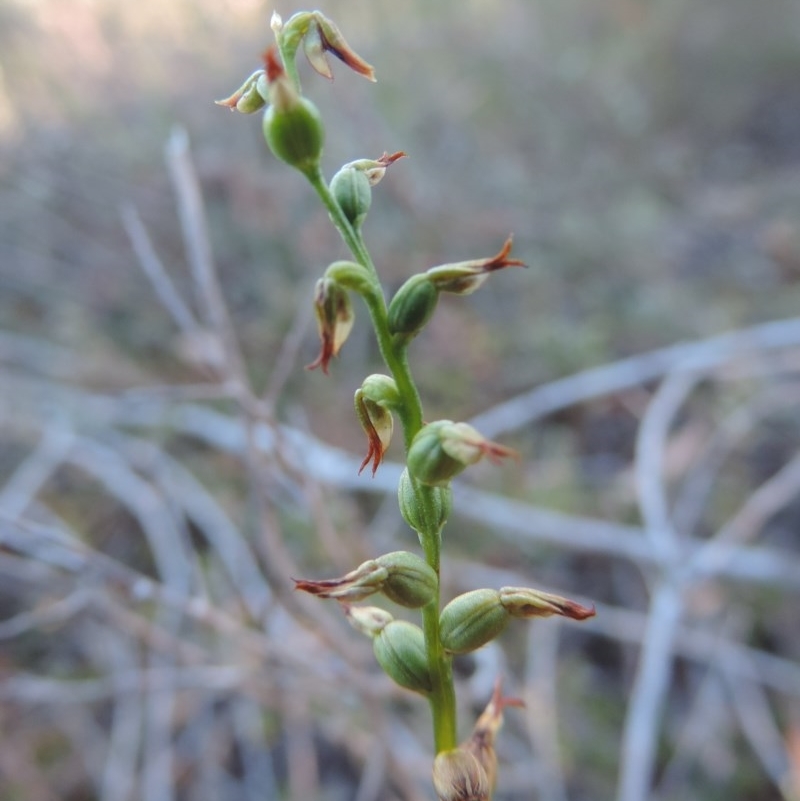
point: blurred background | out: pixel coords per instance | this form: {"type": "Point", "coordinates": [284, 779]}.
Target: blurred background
{"type": "Point", "coordinates": [646, 156]}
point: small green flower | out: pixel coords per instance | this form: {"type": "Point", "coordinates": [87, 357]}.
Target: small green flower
{"type": "Point", "coordinates": [477, 617]}
{"type": "Point", "coordinates": [443, 449]}
{"type": "Point", "coordinates": [319, 36]}
{"type": "Point", "coordinates": [401, 576]}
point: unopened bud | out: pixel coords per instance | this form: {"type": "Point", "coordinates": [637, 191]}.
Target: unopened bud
{"type": "Point", "coordinates": [463, 278]}
{"type": "Point", "coordinates": [471, 620]}
{"type": "Point", "coordinates": [419, 516]}
{"type": "Point", "coordinates": [375, 169]}
{"type": "Point", "coordinates": [459, 776]}
{"type": "Point", "coordinates": [443, 449]}
{"type": "Point", "coordinates": [352, 185]}
{"type": "Point", "coordinates": [292, 124]}
{"type": "Point", "coordinates": [410, 580]}
{"type": "Point", "coordinates": [335, 319]}
{"type": "Point", "coordinates": [401, 576]}
{"type": "Point", "coordinates": [400, 650]}
{"type": "Point", "coordinates": [353, 194]}
{"type": "Point", "coordinates": [412, 306]}
{"type": "Point", "coordinates": [373, 402]}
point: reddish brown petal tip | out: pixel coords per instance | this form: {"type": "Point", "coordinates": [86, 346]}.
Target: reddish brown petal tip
{"type": "Point", "coordinates": [390, 158]}
{"type": "Point", "coordinates": [501, 260]}
{"type": "Point", "coordinates": [272, 64]}
{"type": "Point", "coordinates": [577, 611]}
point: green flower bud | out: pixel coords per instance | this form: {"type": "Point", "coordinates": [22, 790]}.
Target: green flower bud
{"type": "Point", "coordinates": [295, 135]}
{"type": "Point", "coordinates": [375, 169]}
{"type": "Point", "coordinates": [353, 193]}
{"type": "Point", "coordinates": [471, 620]}
{"type": "Point", "coordinates": [410, 581]}
{"type": "Point", "coordinates": [292, 124]}
{"type": "Point", "coordinates": [412, 510]}
{"type": "Point", "coordinates": [412, 306]}
{"type": "Point", "coordinates": [400, 650]}
{"type": "Point", "coordinates": [459, 776]}
{"type": "Point", "coordinates": [442, 449]}
{"type": "Point", "coordinates": [428, 461]}
{"type": "Point", "coordinates": [351, 186]}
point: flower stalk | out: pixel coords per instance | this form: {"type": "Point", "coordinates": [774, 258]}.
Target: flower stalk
{"type": "Point", "coordinates": [418, 658]}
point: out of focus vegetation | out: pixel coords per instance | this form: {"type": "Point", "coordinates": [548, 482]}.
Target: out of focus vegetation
{"type": "Point", "coordinates": [646, 156]}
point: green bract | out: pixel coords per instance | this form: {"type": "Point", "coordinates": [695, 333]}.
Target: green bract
{"type": "Point", "coordinates": [471, 620]}
{"type": "Point", "coordinates": [413, 511]}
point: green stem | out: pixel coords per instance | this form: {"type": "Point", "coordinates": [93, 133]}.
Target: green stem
{"type": "Point", "coordinates": [442, 697]}
{"type": "Point", "coordinates": [288, 60]}
{"type": "Point", "coordinates": [394, 355]}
